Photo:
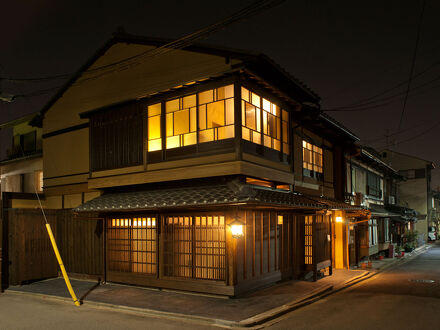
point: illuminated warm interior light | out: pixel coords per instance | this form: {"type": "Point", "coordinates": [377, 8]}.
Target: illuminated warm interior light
{"type": "Point", "coordinates": [280, 219]}
{"type": "Point", "coordinates": [339, 219]}
{"type": "Point", "coordinates": [237, 230]}
{"type": "Point", "coordinates": [258, 182]}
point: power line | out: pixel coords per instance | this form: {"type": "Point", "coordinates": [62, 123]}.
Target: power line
{"type": "Point", "coordinates": [386, 100]}
{"type": "Point", "coordinates": [246, 12]}
{"type": "Point", "coordinates": [412, 65]}
{"type": "Point", "coordinates": [397, 133]}
{"type": "Point", "coordinates": [415, 136]}
{"type": "Point", "coordinates": [400, 84]}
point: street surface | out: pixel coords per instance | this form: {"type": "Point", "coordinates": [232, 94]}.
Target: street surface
{"type": "Point", "coordinates": [401, 298]}
{"type": "Point", "coordinates": [25, 312]}
{"type": "Point", "coordinates": [405, 297]}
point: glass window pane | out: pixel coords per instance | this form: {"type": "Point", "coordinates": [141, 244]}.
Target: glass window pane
{"type": "Point", "coordinates": [277, 144]}
{"type": "Point", "coordinates": [286, 148]}
{"type": "Point", "coordinates": [206, 97]}
{"type": "Point", "coordinates": [226, 132]}
{"type": "Point", "coordinates": [220, 93]}
{"type": "Point", "coordinates": [216, 114]}
{"type": "Point", "coordinates": [154, 109]}
{"type": "Point", "coordinates": [189, 139]}
{"type": "Point", "coordinates": [256, 137]}
{"type": "Point", "coordinates": [189, 101]}
{"type": "Point", "coordinates": [173, 142]}
{"type": "Point", "coordinates": [250, 116]}
{"type": "Point", "coordinates": [255, 99]}
{"type": "Point", "coordinates": [258, 114]}
{"type": "Point", "coordinates": [154, 145]}
{"type": "Point", "coordinates": [181, 122]}
{"type": "Point", "coordinates": [245, 94]}
{"type": "Point", "coordinates": [202, 117]}
{"type": "Point", "coordinates": [193, 119]}
{"type": "Point", "coordinates": [154, 127]}
{"type": "Point", "coordinates": [271, 125]}
{"type": "Point", "coordinates": [285, 132]}
{"type": "Point", "coordinates": [266, 105]}
{"type": "Point", "coordinates": [245, 133]}
{"type": "Point", "coordinates": [229, 91]}
{"type": "Point", "coordinates": [278, 121]}
{"type": "Point", "coordinates": [169, 124]}
{"type": "Point", "coordinates": [285, 115]}
{"type": "Point", "coordinates": [264, 122]}
{"type": "Point", "coordinates": [206, 135]}
{"type": "Point", "coordinates": [229, 111]}
{"type": "Point", "coordinates": [172, 105]}
{"type": "Point", "coordinates": [268, 141]}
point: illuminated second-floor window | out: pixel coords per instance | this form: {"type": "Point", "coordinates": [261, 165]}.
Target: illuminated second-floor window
{"type": "Point", "coordinates": [312, 160]}
{"type": "Point", "coordinates": [263, 122]}
{"type": "Point", "coordinates": [216, 114]}
{"type": "Point", "coordinates": [181, 122]}
{"type": "Point", "coordinates": [154, 135]}
{"type": "Point", "coordinates": [212, 110]}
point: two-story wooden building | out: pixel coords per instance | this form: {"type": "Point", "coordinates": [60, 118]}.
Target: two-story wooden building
{"type": "Point", "coordinates": [373, 184]}
{"type": "Point", "coordinates": [203, 169]}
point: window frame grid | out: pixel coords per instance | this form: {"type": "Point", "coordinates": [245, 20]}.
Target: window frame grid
{"type": "Point", "coordinates": [125, 246]}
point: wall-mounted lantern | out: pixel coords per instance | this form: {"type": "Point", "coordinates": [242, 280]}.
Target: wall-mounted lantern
{"type": "Point", "coordinates": [236, 228]}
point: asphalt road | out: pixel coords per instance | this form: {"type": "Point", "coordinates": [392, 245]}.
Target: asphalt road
{"type": "Point", "coordinates": [27, 312]}
{"type": "Point", "coordinates": [405, 297]}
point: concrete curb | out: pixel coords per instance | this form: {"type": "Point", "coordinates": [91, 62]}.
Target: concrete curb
{"type": "Point", "coordinates": [252, 321]}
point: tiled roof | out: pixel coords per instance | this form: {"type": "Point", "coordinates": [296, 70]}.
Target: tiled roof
{"type": "Point", "coordinates": [333, 204]}
{"type": "Point", "coordinates": [230, 193]}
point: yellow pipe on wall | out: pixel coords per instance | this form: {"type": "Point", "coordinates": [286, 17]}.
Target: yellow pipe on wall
{"type": "Point", "coordinates": [60, 262]}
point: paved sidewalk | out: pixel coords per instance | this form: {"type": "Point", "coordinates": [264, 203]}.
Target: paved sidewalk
{"type": "Point", "coordinates": [244, 311]}
{"type": "Point", "coordinates": [229, 311]}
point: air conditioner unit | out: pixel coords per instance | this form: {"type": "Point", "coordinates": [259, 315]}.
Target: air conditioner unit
{"type": "Point", "coordinates": [391, 200]}
{"type": "Point", "coordinates": [358, 198]}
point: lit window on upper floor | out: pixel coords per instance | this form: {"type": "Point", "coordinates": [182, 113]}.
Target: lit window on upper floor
{"type": "Point", "coordinates": [263, 122]}
{"type": "Point", "coordinates": [216, 114]}
{"type": "Point", "coordinates": [212, 110]}
{"type": "Point", "coordinates": [312, 160]}
{"type": "Point", "coordinates": [181, 122]}
{"type": "Point", "coordinates": [154, 135]}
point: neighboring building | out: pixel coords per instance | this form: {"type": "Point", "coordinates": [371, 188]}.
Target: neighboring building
{"type": "Point", "coordinates": [176, 149]}
{"type": "Point", "coordinates": [22, 169]}
{"type": "Point", "coordinates": [435, 216]}
{"type": "Point", "coordinates": [415, 191]}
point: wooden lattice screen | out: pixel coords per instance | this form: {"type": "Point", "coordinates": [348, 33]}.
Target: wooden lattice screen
{"type": "Point", "coordinates": [131, 245]}
{"type": "Point", "coordinates": [195, 247]}
{"type": "Point", "coordinates": [308, 240]}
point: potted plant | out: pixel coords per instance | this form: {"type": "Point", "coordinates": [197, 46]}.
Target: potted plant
{"type": "Point", "coordinates": [410, 239]}
{"type": "Point", "coordinates": [399, 251]}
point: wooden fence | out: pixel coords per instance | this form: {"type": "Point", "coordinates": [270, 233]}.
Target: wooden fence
{"type": "Point", "coordinates": [27, 253]}
{"type": "Point", "coordinates": [80, 240]}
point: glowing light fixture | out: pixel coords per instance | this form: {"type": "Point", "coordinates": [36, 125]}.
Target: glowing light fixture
{"type": "Point", "coordinates": [280, 219]}
{"type": "Point", "coordinates": [236, 228]}
{"type": "Point", "coordinates": [339, 219]}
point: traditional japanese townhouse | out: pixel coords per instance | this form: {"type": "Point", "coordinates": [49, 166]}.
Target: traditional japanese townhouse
{"type": "Point", "coordinates": [372, 184]}
{"type": "Point", "coordinates": [181, 165]}
{"type": "Point", "coordinates": [415, 192]}
{"type": "Point", "coordinates": [22, 165]}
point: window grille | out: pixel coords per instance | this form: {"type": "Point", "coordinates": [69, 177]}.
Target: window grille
{"type": "Point", "coordinates": [312, 160]}
{"type": "Point", "coordinates": [131, 245]}
{"type": "Point", "coordinates": [308, 240]}
{"type": "Point", "coordinates": [195, 247]}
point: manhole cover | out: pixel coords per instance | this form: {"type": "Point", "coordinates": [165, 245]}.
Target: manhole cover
{"type": "Point", "coordinates": [421, 281]}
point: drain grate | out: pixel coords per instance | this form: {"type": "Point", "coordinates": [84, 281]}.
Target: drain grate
{"type": "Point", "coordinates": [421, 281]}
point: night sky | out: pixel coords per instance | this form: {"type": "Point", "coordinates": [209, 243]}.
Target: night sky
{"type": "Point", "coordinates": [348, 52]}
